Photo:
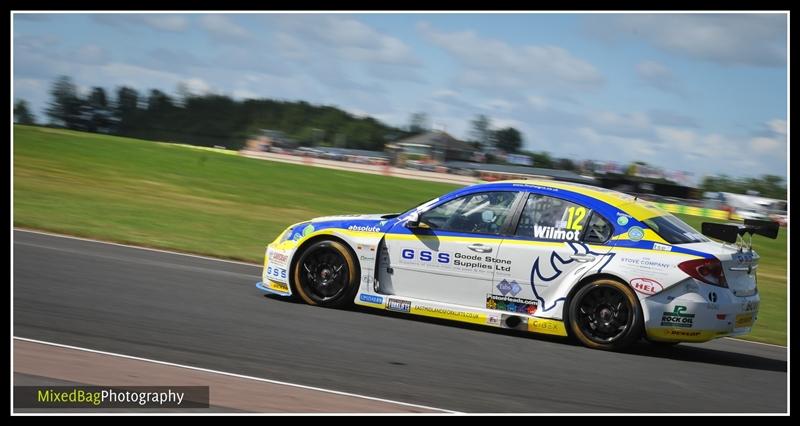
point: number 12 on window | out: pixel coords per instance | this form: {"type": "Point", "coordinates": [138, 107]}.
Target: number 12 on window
{"type": "Point", "coordinates": [575, 218]}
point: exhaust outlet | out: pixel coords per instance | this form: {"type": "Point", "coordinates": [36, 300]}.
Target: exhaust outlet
{"type": "Point", "coordinates": [513, 321]}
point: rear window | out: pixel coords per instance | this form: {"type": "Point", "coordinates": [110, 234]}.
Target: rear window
{"type": "Point", "coordinates": [674, 230]}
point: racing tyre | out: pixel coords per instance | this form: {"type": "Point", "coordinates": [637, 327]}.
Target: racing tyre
{"type": "Point", "coordinates": [326, 274]}
{"type": "Point", "coordinates": [605, 314]}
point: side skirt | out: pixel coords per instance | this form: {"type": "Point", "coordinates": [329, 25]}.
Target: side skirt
{"type": "Point", "coordinates": [459, 313]}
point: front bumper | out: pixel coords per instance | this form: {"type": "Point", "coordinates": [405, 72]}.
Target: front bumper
{"type": "Point", "coordinates": [698, 312]}
{"type": "Point", "coordinates": [275, 275]}
{"type": "Point", "coordinates": [273, 287]}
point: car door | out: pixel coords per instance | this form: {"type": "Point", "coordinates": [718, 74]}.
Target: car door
{"type": "Point", "coordinates": [555, 241]}
{"type": "Point", "coordinates": [449, 257]}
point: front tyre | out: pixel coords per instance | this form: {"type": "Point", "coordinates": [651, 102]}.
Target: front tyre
{"type": "Point", "coordinates": [605, 314]}
{"type": "Point", "coordinates": [326, 274]}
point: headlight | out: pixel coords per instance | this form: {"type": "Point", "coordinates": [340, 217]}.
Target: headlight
{"type": "Point", "coordinates": [285, 235]}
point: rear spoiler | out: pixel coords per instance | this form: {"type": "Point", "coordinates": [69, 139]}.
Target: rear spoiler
{"type": "Point", "coordinates": [730, 232]}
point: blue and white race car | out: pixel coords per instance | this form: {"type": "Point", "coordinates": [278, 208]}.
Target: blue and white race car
{"type": "Point", "coordinates": [541, 256]}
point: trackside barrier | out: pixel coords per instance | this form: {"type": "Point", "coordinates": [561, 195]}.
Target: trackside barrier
{"type": "Point", "coordinates": [699, 211]}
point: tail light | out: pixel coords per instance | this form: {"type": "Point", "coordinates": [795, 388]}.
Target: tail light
{"type": "Point", "coordinates": [708, 271]}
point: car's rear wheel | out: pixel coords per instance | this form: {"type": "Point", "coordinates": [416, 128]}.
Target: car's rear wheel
{"type": "Point", "coordinates": [605, 314]}
{"type": "Point", "coordinates": [326, 274]}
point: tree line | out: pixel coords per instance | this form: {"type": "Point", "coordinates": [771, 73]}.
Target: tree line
{"type": "Point", "coordinates": [769, 186]}
{"type": "Point", "coordinates": [206, 120]}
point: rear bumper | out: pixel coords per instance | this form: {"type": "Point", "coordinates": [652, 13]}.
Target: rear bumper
{"type": "Point", "coordinates": [702, 313]}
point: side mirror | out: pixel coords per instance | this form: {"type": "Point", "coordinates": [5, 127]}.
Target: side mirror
{"type": "Point", "coordinates": [413, 220]}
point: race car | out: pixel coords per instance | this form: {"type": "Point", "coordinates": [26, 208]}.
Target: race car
{"type": "Point", "coordinates": [541, 256]}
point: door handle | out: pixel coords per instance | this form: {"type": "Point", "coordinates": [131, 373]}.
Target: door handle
{"type": "Point", "coordinates": [582, 257]}
{"type": "Point", "coordinates": [480, 248]}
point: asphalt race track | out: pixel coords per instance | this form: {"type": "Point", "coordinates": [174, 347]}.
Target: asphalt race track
{"type": "Point", "coordinates": [208, 313]}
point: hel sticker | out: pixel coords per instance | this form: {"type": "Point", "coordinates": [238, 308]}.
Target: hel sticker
{"type": "Point", "coordinates": [661, 247]}
{"type": "Point", "coordinates": [622, 220]}
{"type": "Point", "coordinates": [646, 286]}
{"type": "Point", "coordinates": [635, 233]}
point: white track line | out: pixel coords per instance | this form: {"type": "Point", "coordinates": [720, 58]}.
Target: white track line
{"type": "Point", "coordinates": [240, 376]}
{"type": "Point", "coordinates": [755, 343]}
{"type": "Point", "coordinates": [238, 263]}
{"type": "Point", "coordinates": [30, 231]}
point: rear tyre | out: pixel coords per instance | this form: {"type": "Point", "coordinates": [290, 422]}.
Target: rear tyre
{"type": "Point", "coordinates": [605, 314]}
{"type": "Point", "coordinates": [326, 274]}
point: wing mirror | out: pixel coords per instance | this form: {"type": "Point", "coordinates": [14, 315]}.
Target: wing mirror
{"type": "Point", "coordinates": [412, 221]}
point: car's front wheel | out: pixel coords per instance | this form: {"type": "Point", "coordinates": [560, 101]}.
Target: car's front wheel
{"type": "Point", "coordinates": [326, 274]}
{"type": "Point", "coordinates": [605, 314]}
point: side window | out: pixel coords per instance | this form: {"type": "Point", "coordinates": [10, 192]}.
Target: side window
{"type": "Point", "coordinates": [482, 212]}
{"type": "Point", "coordinates": [598, 230]}
{"type": "Point", "coordinates": [550, 218]}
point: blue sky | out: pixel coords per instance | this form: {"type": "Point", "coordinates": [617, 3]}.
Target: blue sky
{"type": "Point", "coordinates": [702, 93]}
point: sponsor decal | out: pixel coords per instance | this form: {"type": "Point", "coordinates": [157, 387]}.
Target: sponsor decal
{"type": "Point", "coordinates": [278, 257]}
{"type": "Point", "coordinates": [538, 277]}
{"type": "Point", "coordinates": [712, 296]}
{"type": "Point", "coordinates": [661, 247]}
{"type": "Point", "coordinates": [308, 229]}
{"type": "Point", "coordinates": [622, 220]}
{"type": "Point", "coordinates": [547, 326]}
{"type": "Point", "coordinates": [635, 233]}
{"type": "Point", "coordinates": [445, 313]}
{"type": "Point", "coordinates": [645, 263]}
{"type": "Point", "coordinates": [276, 273]}
{"type": "Point", "coordinates": [364, 228]}
{"type": "Point", "coordinates": [511, 304]}
{"type": "Point", "coordinates": [646, 286]}
{"type": "Point", "coordinates": [749, 306]}
{"type": "Point", "coordinates": [553, 233]}
{"type": "Point", "coordinates": [457, 261]}
{"type": "Point", "coordinates": [683, 333]}
{"type": "Point", "coordinates": [398, 305]}
{"type": "Point", "coordinates": [506, 287]}
{"type": "Point", "coordinates": [493, 319]}
{"type": "Point", "coordinates": [745, 320]}
{"type": "Point", "coordinates": [369, 298]}
{"type": "Point", "coordinates": [278, 286]}
{"type": "Point", "coordinates": [743, 257]}
{"type": "Point", "coordinates": [677, 318]}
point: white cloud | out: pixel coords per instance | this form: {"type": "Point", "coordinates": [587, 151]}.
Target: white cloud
{"type": "Point", "coordinates": [489, 63]}
{"type": "Point", "coordinates": [340, 37]}
{"type": "Point", "coordinates": [729, 39]}
{"type": "Point", "coordinates": [538, 102]}
{"type": "Point", "coordinates": [659, 76]}
{"type": "Point", "coordinates": [777, 126]}
{"type": "Point", "coordinates": [197, 86]}
{"type": "Point", "coordinates": [222, 27]}
{"type": "Point", "coordinates": [764, 145]}
{"type": "Point", "coordinates": [160, 22]}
